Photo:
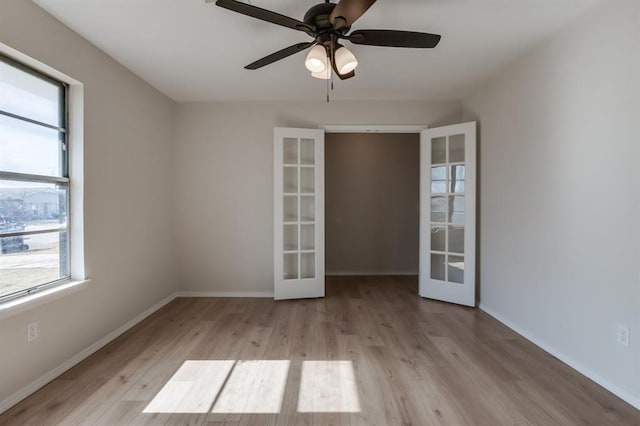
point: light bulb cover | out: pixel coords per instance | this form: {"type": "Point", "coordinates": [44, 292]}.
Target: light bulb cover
{"type": "Point", "coordinates": [316, 59]}
{"type": "Point", "coordinates": [322, 75]}
{"type": "Point", "coordinates": [345, 60]}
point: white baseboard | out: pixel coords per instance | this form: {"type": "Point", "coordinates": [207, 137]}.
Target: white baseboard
{"type": "Point", "coordinates": [46, 378]}
{"type": "Point", "coordinates": [369, 273]}
{"type": "Point", "coordinates": [611, 387]}
{"type": "Point", "coordinates": [243, 294]}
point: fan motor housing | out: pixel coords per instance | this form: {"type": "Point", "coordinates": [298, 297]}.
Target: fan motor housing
{"type": "Point", "coordinates": [318, 17]}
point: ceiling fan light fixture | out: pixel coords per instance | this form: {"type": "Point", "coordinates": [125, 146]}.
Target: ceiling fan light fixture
{"type": "Point", "coordinates": [316, 61]}
{"type": "Point", "coordinates": [345, 60]}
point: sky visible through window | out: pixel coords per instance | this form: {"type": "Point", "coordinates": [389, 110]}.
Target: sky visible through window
{"type": "Point", "coordinates": [26, 147]}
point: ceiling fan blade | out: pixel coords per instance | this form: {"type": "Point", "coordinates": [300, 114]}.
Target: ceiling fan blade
{"type": "Point", "coordinates": [349, 11]}
{"type": "Point", "coordinates": [280, 54]}
{"type": "Point", "coordinates": [264, 15]}
{"type": "Point", "coordinates": [393, 38]}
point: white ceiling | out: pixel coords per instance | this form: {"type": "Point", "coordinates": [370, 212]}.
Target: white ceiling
{"type": "Point", "coordinates": [195, 51]}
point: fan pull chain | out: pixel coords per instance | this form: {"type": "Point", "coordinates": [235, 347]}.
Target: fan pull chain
{"type": "Point", "coordinates": [330, 79]}
{"type": "Point", "coordinates": [327, 91]}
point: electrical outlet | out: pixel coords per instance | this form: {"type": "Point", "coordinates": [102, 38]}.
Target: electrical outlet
{"type": "Point", "coordinates": [623, 335]}
{"type": "Point", "coordinates": [32, 331]}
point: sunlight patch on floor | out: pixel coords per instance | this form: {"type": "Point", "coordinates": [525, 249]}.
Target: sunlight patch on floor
{"type": "Point", "coordinates": [192, 389]}
{"type": "Point", "coordinates": [254, 387]}
{"type": "Point", "coordinates": [328, 387]}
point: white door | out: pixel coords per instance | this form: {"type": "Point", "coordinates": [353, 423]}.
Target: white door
{"type": "Point", "coordinates": [448, 213]}
{"type": "Point", "coordinates": [298, 213]}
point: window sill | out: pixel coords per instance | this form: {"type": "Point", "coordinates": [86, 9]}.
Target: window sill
{"type": "Point", "coordinates": [26, 303]}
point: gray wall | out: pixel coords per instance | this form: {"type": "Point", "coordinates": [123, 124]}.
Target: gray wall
{"type": "Point", "coordinates": [224, 180]}
{"type": "Point", "coordinates": [128, 183]}
{"type": "Point", "coordinates": [372, 195]}
{"type": "Point", "coordinates": [559, 179]}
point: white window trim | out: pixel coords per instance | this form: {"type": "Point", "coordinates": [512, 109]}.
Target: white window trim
{"type": "Point", "coordinates": [75, 141]}
{"type": "Point", "coordinates": [25, 303]}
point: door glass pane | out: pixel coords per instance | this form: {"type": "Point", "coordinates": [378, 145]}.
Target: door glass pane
{"type": "Point", "coordinates": [456, 209]}
{"type": "Point", "coordinates": [456, 269]}
{"type": "Point", "coordinates": [439, 173]}
{"type": "Point", "coordinates": [307, 180]}
{"type": "Point", "coordinates": [438, 187]}
{"type": "Point", "coordinates": [290, 151]}
{"type": "Point", "coordinates": [458, 171]}
{"type": "Point", "coordinates": [307, 265]}
{"type": "Point", "coordinates": [307, 152]}
{"type": "Point", "coordinates": [290, 180]}
{"type": "Point", "coordinates": [439, 180]}
{"type": "Point", "coordinates": [456, 181]}
{"type": "Point", "coordinates": [456, 186]}
{"type": "Point", "coordinates": [290, 208]}
{"type": "Point", "coordinates": [437, 266]}
{"type": "Point", "coordinates": [290, 237]}
{"type": "Point", "coordinates": [290, 266]}
{"type": "Point", "coordinates": [308, 208]}
{"type": "Point", "coordinates": [438, 238]}
{"type": "Point", "coordinates": [307, 237]}
{"type": "Point", "coordinates": [456, 149]}
{"type": "Point", "coordinates": [456, 239]}
{"type": "Point", "coordinates": [439, 150]}
{"type": "Point", "coordinates": [439, 209]}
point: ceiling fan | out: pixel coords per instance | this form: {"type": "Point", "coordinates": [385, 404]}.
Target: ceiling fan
{"type": "Point", "coordinates": [328, 23]}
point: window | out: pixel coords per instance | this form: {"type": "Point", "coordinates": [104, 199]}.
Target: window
{"type": "Point", "coordinates": [34, 181]}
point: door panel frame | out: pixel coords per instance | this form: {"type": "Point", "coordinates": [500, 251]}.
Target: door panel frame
{"type": "Point", "coordinates": [300, 287]}
{"type": "Point", "coordinates": [464, 294]}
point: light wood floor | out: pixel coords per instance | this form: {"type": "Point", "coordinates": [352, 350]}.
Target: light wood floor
{"type": "Point", "coordinates": [414, 361]}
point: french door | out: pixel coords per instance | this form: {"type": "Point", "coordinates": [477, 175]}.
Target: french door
{"type": "Point", "coordinates": [298, 213]}
{"type": "Point", "coordinates": [448, 213]}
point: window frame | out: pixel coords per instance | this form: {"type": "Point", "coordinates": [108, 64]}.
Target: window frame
{"type": "Point", "coordinates": [63, 180]}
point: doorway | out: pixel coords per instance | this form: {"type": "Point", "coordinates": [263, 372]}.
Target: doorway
{"type": "Point", "coordinates": [372, 198]}
{"type": "Point", "coordinates": [446, 231]}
